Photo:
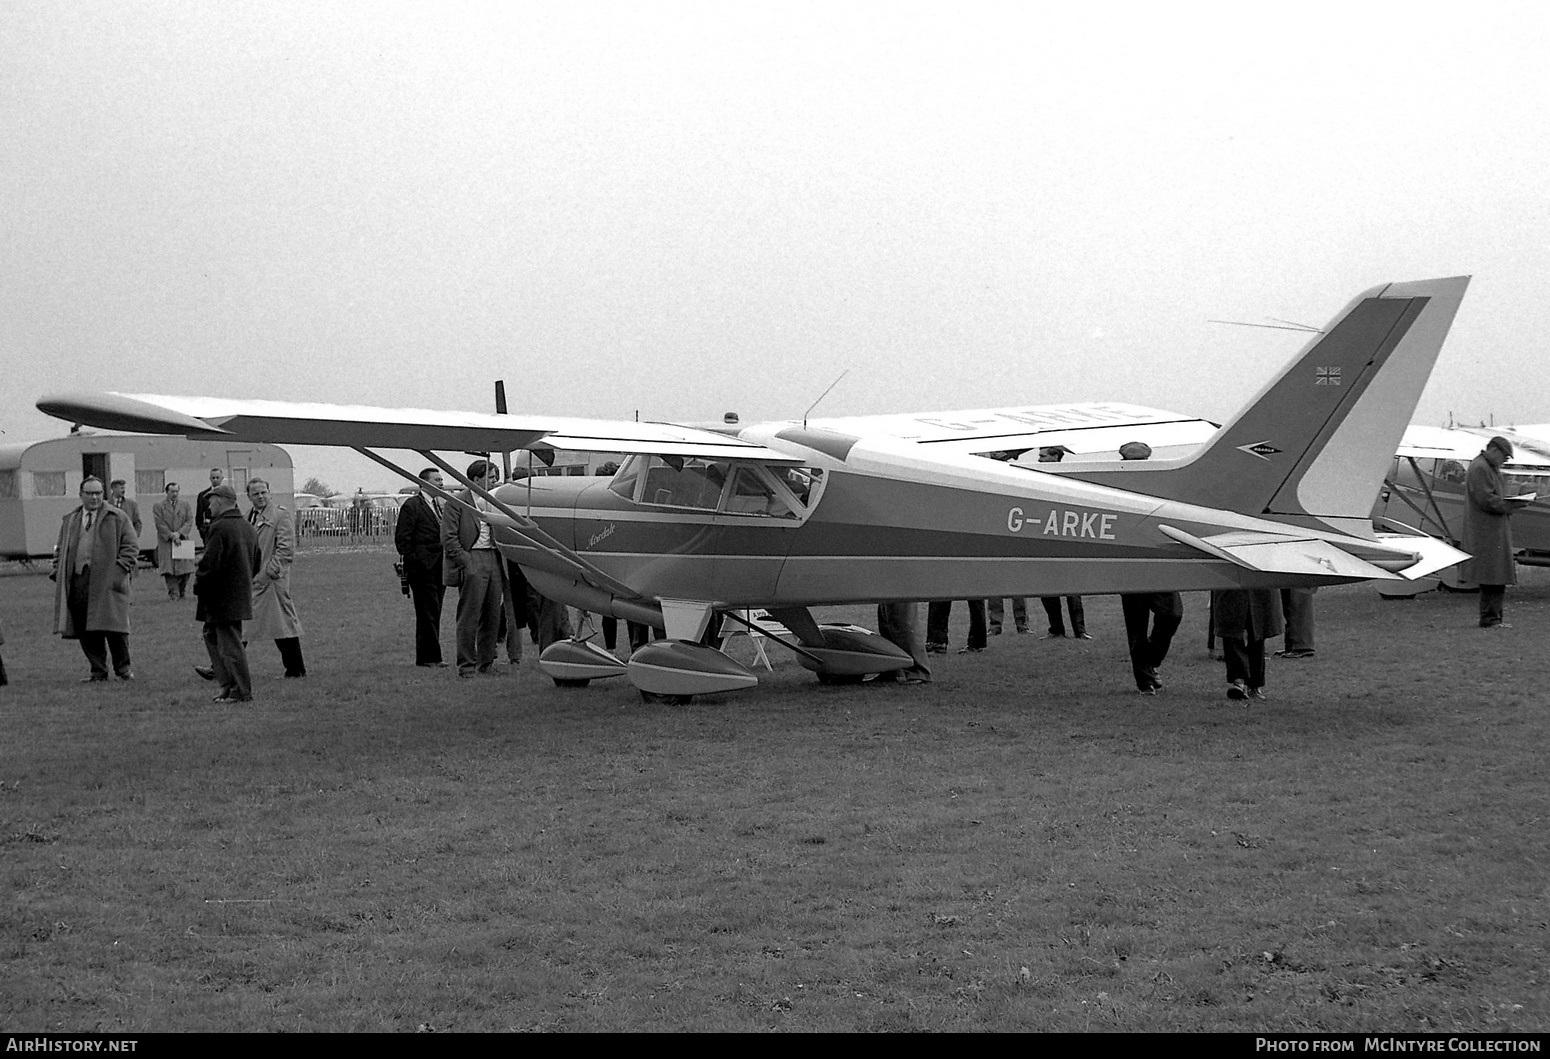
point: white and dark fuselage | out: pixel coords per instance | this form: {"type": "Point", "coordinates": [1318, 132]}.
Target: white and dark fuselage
{"type": "Point", "coordinates": [868, 524]}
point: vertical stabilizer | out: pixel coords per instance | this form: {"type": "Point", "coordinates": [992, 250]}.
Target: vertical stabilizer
{"type": "Point", "coordinates": [1312, 447]}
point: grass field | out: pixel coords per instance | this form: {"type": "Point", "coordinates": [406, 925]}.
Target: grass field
{"type": "Point", "coordinates": [1023, 844]}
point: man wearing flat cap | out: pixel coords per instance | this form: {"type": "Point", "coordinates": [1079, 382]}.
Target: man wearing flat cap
{"type": "Point", "coordinates": [1487, 531]}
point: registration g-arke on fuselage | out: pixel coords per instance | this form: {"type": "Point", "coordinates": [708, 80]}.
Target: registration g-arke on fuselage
{"type": "Point", "coordinates": [870, 520]}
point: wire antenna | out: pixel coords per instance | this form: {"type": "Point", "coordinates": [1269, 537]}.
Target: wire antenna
{"type": "Point", "coordinates": [821, 396]}
{"type": "Point", "coordinates": [1279, 325]}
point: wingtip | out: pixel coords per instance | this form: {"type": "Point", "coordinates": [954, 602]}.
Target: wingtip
{"type": "Point", "coordinates": [115, 411]}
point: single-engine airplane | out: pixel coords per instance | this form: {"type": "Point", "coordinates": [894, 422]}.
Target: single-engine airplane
{"type": "Point", "coordinates": [786, 516]}
{"type": "Point", "coordinates": [1424, 492]}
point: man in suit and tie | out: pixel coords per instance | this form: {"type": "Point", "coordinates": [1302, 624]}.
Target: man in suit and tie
{"type": "Point", "coordinates": [96, 551]}
{"type": "Point", "coordinates": [418, 540]}
{"type": "Point", "coordinates": [202, 512]}
{"type": "Point", "coordinates": [471, 563]}
{"type": "Point", "coordinates": [117, 497]}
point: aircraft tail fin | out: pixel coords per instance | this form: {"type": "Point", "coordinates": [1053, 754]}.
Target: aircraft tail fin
{"type": "Point", "coordinates": [1312, 447]}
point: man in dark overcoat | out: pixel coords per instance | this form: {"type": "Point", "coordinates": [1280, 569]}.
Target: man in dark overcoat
{"type": "Point", "coordinates": [1151, 618]}
{"type": "Point", "coordinates": [1488, 531]}
{"type": "Point", "coordinates": [93, 559]}
{"type": "Point", "coordinates": [223, 583]}
{"type": "Point", "coordinates": [1244, 618]}
{"type": "Point", "coordinates": [417, 537]}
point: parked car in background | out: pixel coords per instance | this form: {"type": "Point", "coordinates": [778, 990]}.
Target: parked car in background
{"type": "Point", "coordinates": [317, 517]}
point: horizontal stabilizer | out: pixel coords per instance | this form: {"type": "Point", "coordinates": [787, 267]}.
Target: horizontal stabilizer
{"type": "Point", "coordinates": [1430, 553]}
{"type": "Point", "coordinates": [1282, 553]}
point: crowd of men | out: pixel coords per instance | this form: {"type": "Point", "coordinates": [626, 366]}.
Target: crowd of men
{"type": "Point", "coordinates": [243, 577]}
{"type": "Point", "coordinates": [444, 544]}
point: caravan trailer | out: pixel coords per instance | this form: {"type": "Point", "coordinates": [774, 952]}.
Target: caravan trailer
{"type": "Point", "coordinates": [40, 481]}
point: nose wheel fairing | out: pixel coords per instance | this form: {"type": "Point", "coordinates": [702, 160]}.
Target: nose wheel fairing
{"type": "Point", "coordinates": [575, 663]}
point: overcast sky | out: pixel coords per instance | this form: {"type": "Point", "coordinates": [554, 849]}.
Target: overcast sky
{"type": "Point", "coordinates": [679, 209]}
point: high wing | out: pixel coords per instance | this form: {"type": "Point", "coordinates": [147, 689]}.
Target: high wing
{"type": "Point", "coordinates": [1440, 443]}
{"type": "Point", "coordinates": [1532, 442]}
{"type": "Point", "coordinates": [362, 426]}
{"type": "Point", "coordinates": [1082, 429]}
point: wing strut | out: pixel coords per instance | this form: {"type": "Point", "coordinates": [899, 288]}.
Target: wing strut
{"type": "Point", "coordinates": [735, 616]}
{"type": "Point", "coordinates": [563, 557]}
{"type": "Point", "coordinates": [1433, 511]}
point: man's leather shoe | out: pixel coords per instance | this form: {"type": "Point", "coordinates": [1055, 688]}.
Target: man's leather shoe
{"type": "Point", "coordinates": [205, 672]}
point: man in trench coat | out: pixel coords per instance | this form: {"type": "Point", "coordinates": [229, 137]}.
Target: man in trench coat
{"type": "Point", "coordinates": [174, 520]}
{"type": "Point", "coordinates": [1487, 531]}
{"type": "Point", "coordinates": [1244, 618]}
{"type": "Point", "coordinates": [95, 554]}
{"type": "Point", "coordinates": [274, 615]}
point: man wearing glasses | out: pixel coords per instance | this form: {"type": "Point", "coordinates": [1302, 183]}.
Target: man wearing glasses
{"type": "Point", "coordinates": [471, 564]}
{"type": "Point", "coordinates": [96, 551]}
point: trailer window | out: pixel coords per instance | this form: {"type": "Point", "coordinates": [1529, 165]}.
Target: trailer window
{"type": "Point", "coordinates": [150, 481]}
{"type": "Point", "coordinates": [48, 483]}
{"type": "Point", "coordinates": [8, 485]}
